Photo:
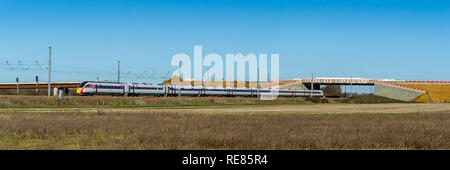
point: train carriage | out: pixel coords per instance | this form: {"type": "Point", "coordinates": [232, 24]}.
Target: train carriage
{"type": "Point", "coordinates": [144, 89]}
{"type": "Point", "coordinates": [192, 90]}
{"type": "Point", "coordinates": [217, 91]}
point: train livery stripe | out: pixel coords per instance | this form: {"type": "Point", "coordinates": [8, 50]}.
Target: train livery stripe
{"type": "Point", "coordinates": [90, 88]}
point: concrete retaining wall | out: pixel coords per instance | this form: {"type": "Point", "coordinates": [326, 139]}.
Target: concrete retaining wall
{"type": "Point", "coordinates": [396, 92]}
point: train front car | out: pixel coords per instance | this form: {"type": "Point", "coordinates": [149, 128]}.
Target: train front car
{"type": "Point", "coordinates": [89, 88]}
{"type": "Point", "coordinates": [80, 89]}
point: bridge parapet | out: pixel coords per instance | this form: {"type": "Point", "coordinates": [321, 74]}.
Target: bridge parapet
{"type": "Point", "coordinates": [40, 85]}
{"type": "Point", "coordinates": [339, 81]}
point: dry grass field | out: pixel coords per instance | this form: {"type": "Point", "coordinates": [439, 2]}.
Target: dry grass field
{"type": "Point", "coordinates": [108, 101]}
{"type": "Point", "coordinates": [225, 126]}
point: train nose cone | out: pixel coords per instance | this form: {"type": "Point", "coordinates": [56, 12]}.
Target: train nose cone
{"type": "Point", "coordinates": [80, 91]}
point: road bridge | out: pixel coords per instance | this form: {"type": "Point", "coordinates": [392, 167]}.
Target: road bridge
{"type": "Point", "coordinates": [40, 85]}
{"type": "Point", "coordinates": [57, 85]}
{"type": "Point", "coordinates": [319, 81]}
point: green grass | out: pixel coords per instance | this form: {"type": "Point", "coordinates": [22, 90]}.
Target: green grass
{"type": "Point", "coordinates": [106, 101]}
{"type": "Point", "coordinates": [154, 106]}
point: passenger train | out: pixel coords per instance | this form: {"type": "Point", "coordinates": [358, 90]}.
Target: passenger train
{"type": "Point", "coordinates": [89, 88]}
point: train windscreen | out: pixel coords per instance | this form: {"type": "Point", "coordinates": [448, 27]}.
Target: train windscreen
{"type": "Point", "coordinates": [82, 84]}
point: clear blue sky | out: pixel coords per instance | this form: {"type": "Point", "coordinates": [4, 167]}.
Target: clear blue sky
{"type": "Point", "coordinates": [402, 39]}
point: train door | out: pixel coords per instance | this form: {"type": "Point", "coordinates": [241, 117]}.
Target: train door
{"type": "Point", "coordinates": [126, 89]}
{"type": "Point", "coordinates": [174, 91]}
{"type": "Point", "coordinates": [130, 89]}
{"type": "Point", "coordinates": [166, 90]}
{"type": "Point", "coordinates": [201, 91]}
